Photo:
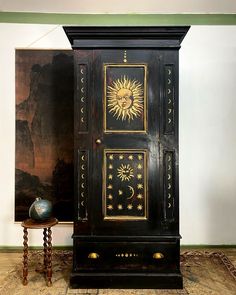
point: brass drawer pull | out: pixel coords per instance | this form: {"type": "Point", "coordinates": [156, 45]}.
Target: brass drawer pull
{"type": "Point", "coordinates": [157, 255]}
{"type": "Point", "coordinates": [93, 255]}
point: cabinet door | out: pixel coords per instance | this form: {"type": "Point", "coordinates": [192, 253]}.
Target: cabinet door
{"type": "Point", "coordinates": [122, 122]}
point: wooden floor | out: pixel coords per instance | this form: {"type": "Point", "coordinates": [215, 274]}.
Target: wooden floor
{"type": "Point", "coordinates": [9, 259]}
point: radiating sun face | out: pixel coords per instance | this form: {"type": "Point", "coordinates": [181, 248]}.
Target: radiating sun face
{"type": "Point", "coordinates": [125, 99]}
{"type": "Point", "coordinates": [125, 172]}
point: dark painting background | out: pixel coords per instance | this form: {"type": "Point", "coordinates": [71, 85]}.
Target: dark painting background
{"type": "Point", "coordinates": [44, 131]}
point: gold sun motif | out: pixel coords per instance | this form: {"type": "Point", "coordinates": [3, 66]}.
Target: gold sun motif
{"type": "Point", "coordinates": [125, 172]}
{"type": "Point", "coordinates": [125, 99]}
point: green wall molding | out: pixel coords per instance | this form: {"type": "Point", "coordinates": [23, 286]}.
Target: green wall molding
{"type": "Point", "coordinates": [117, 19]}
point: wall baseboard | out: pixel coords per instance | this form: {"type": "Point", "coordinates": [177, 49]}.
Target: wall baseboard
{"type": "Point", "coordinates": [31, 248]}
{"type": "Point", "coordinates": [70, 248]}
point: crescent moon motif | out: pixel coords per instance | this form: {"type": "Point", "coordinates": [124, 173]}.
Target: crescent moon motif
{"type": "Point", "coordinates": [132, 192]}
{"type": "Point", "coordinates": [82, 203]}
{"type": "Point", "coordinates": [82, 158]}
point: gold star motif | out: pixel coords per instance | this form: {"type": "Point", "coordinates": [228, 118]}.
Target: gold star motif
{"type": "Point", "coordinates": [110, 207]}
{"type": "Point", "coordinates": [139, 196]}
{"type": "Point", "coordinates": [139, 176]}
{"type": "Point", "coordinates": [140, 166]}
{"type": "Point", "coordinates": [130, 206]}
{"type": "Point", "coordinates": [140, 157]}
{"type": "Point", "coordinates": [110, 186]}
{"type": "Point", "coordinates": [139, 207]}
{"type": "Point", "coordinates": [120, 192]}
{"type": "Point", "coordinates": [120, 207]}
{"type": "Point", "coordinates": [110, 176]}
{"type": "Point", "coordinates": [110, 197]}
{"type": "Point", "coordinates": [111, 157]}
{"type": "Point", "coordinates": [139, 186]}
{"type": "Point", "coordinates": [110, 166]}
{"type": "Point", "coordinates": [130, 157]}
{"type": "Point", "coordinates": [121, 157]}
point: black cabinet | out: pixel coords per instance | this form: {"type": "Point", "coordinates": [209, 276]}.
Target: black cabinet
{"type": "Point", "coordinates": [126, 223]}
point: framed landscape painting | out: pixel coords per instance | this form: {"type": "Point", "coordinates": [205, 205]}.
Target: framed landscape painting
{"type": "Point", "coordinates": [44, 131]}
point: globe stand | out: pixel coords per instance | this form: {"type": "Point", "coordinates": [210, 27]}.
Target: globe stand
{"type": "Point", "coordinates": [47, 246]}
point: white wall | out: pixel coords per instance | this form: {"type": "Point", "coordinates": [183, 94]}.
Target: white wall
{"type": "Point", "coordinates": [207, 132]}
{"type": "Point", "coordinates": [208, 135]}
{"type": "Point", "coordinates": [121, 6]}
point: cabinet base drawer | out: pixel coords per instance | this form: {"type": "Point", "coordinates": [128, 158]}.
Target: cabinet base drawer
{"type": "Point", "coordinates": [162, 257]}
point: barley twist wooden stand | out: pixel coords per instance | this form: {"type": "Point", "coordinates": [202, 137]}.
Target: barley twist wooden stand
{"type": "Point", "coordinates": [47, 246]}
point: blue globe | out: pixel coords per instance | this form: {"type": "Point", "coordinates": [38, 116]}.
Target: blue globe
{"type": "Point", "coordinates": [40, 210]}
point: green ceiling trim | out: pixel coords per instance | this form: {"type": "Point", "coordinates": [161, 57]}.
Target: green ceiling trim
{"type": "Point", "coordinates": [117, 19]}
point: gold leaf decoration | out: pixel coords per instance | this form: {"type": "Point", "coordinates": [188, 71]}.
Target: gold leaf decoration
{"type": "Point", "coordinates": [125, 99]}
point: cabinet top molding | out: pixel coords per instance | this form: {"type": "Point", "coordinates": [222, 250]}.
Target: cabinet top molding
{"type": "Point", "coordinates": [107, 37]}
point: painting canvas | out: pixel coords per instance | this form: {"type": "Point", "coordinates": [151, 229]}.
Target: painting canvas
{"type": "Point", "coordinates": [44, 131]}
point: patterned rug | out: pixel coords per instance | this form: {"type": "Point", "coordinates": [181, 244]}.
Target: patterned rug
{"type": "Point", "coordinates": [205, 273]}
